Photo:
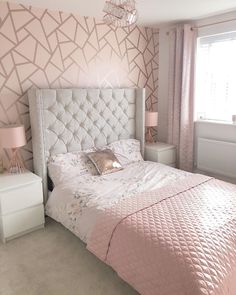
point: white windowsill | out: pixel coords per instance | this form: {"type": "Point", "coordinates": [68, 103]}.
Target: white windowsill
{"type": "Point", "coordinates": [227, 123]}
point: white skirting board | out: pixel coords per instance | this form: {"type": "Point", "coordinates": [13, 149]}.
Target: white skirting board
{"type": "Point", "coordinates": [216, 157]}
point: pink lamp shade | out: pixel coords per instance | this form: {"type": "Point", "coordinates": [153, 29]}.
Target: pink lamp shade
{"type": "Point", "coordinates": [12, 136]}
{"type": "Point", "coordinates": [151, 119]}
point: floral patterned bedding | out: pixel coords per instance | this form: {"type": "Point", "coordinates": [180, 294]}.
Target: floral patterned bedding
{"type": "Point", "coordinates": [78, 202]}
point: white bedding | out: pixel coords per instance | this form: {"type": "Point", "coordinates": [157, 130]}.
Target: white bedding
{"type": "Point", "coordinates": [77, 203]}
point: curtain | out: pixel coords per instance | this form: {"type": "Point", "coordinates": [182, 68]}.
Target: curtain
{"type": "Point", "coordinates": [181, 94]}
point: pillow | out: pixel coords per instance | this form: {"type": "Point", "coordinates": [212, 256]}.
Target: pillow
{"type": "Point", "coordinates": [105, 161]}
{"type": "Point", "coordinates": [127, 151]}
{"type": "Point", "coordinates": [63, 167]}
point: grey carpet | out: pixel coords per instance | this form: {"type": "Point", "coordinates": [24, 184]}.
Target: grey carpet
{"type": "Point", "coordinates": [53, 261]}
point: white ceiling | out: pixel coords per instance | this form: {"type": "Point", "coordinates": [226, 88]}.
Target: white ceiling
{"type": "Point", "coordinates": [151, 12]}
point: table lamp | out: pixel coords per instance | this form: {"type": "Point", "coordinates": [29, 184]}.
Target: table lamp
{"type": "Point", "coordinates": [13, 137]}
{"type": "Point", "coordinates": [151, 119]}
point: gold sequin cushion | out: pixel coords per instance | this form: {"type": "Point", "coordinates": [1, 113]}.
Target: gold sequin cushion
{"type": "Point", "coordinates": [105, 161]}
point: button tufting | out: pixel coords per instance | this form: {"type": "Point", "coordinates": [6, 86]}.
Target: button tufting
{"type": "Point", "coordinates": [89, 116]}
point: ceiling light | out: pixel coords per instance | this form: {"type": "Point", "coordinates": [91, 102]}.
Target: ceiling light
{"type": "Point", "coordinates": [120, 13]}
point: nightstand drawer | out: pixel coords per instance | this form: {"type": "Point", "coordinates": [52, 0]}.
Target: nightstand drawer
{"type": "Point", "coordinates": [167, 157]}
{"type": "Point", "coordinates": [161, 152]}
{"type": "Point", "coordinates": [20, 198]}
{"type": "Point", "coordinates": [22, 221]}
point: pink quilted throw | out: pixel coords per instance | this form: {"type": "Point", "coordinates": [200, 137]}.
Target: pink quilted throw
{"type": "Point", "coordinates": [178, 240]}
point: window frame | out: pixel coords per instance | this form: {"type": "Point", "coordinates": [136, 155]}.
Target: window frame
{"type": "Point", "coordinates": [206, 30]}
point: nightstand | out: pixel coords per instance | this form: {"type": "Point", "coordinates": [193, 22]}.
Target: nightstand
{"type": "Point", "coordinates": [21, 204]}
{"type": "Point", "coordinates": [160, 152]}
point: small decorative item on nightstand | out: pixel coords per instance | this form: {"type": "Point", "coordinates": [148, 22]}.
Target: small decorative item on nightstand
{"type": "Point", "coordinates": [13, 137]}
{"type": "Point", "coordinates": [161, 152]}
{"type": "Point", "coordinates": [21, 204]}
{"type": "Point", "coordinates": [151, 119]}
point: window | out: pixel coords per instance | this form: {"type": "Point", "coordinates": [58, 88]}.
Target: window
{"type": "Point", "coordinates": [216, 77]}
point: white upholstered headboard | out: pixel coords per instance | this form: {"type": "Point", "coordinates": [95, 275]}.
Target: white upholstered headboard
{"type": "Point", "coordinates": [66, 120]}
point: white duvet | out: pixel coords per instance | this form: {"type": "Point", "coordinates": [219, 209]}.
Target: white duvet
{"type": "Point", "coordinates": [77, 203]}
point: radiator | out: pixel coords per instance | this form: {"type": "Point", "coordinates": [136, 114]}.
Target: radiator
{"type": "Point", "coordinates": [217, 157]}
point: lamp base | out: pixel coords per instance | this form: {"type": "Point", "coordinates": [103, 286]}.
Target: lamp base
{"type": "Point", "coordinates": [16, 163]}
{"type": "Point", "coordinates": [149, 136]}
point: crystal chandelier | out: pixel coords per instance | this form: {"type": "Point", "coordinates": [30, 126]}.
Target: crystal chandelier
{"type": "Point", "coordinates": [120, 13]}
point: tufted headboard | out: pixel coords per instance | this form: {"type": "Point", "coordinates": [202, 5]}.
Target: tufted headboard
{"type": "Point", "coordinates": [66, 120]}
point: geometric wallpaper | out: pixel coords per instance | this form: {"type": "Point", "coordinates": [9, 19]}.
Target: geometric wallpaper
{"type": "Point", "coordinates": [51, 49]}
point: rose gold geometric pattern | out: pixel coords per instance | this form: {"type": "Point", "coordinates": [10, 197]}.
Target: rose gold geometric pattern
{"type": "Point", "coordinates": [51, 49]}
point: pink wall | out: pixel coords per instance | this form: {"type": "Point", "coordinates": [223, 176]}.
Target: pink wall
{"type": "Point", "coordinates": [50, 49]}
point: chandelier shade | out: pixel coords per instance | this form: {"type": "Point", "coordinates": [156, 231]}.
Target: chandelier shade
{"type": "Point", "coordinates": [120, 13]}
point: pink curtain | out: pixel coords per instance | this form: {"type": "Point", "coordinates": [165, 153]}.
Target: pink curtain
{"type": "Point", "coordinates": [181, 93]}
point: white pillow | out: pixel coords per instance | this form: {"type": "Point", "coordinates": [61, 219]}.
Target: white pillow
{"type": "Point", "coordinates": [63, 167]}
{"type": "Point", "coordinates": [127, 151]}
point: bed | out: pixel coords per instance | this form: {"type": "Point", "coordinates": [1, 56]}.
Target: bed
{"type": "Point", "coordinates": [164, 231]}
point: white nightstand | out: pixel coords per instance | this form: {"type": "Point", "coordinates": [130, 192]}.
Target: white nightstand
{"type": "Point", "coordinates": [21, 204]}
{"type": "Point", "coordinates": [160, 152]}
